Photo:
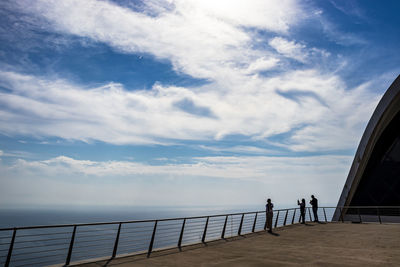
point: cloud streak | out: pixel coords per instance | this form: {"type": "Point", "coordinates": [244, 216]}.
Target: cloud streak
{"type": "Point", "coordinates": [256, 168]}
{"type": "Point", "coordinates": [41, 107]}
{"type": "Point", "coordinates": [204, 41]}
{"type": "Point", "coordinates": [222, 177]}
{"type": "Point", "coordinates": [199, 38]}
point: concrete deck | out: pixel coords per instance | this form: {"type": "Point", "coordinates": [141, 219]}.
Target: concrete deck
{"type": "Point", "coordinates": [333, 244]}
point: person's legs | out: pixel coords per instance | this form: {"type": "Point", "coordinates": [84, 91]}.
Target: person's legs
{"type": "Point", "coordinates": [270, 222]}
{"type": "Point", "coordinates": [315, 211]}
{"type": "Point", "coordinates": [266, 221]}
{"type": "Point", "coordinates": [303, 217]}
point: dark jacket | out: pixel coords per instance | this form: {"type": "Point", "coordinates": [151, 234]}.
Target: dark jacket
{"type": "Point", "coordinates": [302, 206]}
{"type": "Point", "coordinates": [269, 207]}
{"type": "Point", "coordinates": [314, 203]}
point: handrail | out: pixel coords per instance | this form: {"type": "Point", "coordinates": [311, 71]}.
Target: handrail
{"type": "Point", "coordinates": [154, 235]}
{"type": "Point", "coordinates": [134, 221]}
{"type": "Point", "coordinates": [171, 219]}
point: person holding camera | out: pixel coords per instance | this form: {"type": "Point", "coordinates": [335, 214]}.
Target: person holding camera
{"type": "Point", "coordinates": [302, 205]}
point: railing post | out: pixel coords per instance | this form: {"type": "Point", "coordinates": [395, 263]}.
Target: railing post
{"type": "Point", "coordinates": [284, 222]}
{"type": "Point", "coordinates": [294, 214]}
{"type": "Point", "coordinates": [379, 215]}
{"type": "Point", "coordinates": [341, 215]}
{"type": "Point", "coordinates": [152, 239]}
{"type": "Point", "coordinates": [10, 249]}
{"type": "Point", "coordinates": [276, 221]}
{"type": "Point", "coordinates": [116, 241]}
{"type": "Point", "coordinates": [359, 215]}
{"type": "Point", "coordinates": [325, 214]}
{"type": "Point", "coordinates": [223, 229]}
{"type": "Point", "coordinates": [241, 224]}
{"type": "Point", "coordinates": [309, 213]}
{"type": "Point", "coordinates": [71, 245]}
{"type": "Point", "coordinates": [254, 223]}
{"type": "Point", "coordinates": [181, 235]}
{"type": "Point", "coordinates": [205, 230]}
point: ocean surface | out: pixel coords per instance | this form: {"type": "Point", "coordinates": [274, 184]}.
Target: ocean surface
{"type": "Point", "coordinates": [18, 217]}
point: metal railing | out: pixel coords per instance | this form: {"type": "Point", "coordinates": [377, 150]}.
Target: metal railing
{"type": "Point", "coordinates": [64, 244]}
{"type": "Point", "coordinates": [362, 214]}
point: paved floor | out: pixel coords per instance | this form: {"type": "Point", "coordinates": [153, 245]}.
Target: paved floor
{"type": "Point", "coordinates": [334, 244]}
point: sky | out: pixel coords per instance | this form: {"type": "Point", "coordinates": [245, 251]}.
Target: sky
{"type": "Point", "coordinates": [186, 102]}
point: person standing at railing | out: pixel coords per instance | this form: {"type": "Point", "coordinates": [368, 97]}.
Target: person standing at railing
{"type": "Point", "coordinates": [302, 205]}
{"type": "Point", "coordinates": [269, 214]}
{"type": "Point", "coordinates": [314, 204]}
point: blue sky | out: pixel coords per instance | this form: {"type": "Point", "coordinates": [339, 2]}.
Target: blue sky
{"type": "Point", "coordinates": [187, 102]}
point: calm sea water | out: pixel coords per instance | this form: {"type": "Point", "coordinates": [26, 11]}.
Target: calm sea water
{"type": "Point", "coordinates": [49, 216]}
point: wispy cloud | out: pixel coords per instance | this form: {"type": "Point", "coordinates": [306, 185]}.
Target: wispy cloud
{"type": "Point", "coordinates": [199, 37]}
{"type": "Point", "coordinates": [350, 8]}
{"type": "Point", "coordinates": [260, 168]}
{"type": "Point", "coordinates": [289, 49]}
{"type": "Point", "coordinates": [133, 182]}
{"type": "Point", "coordinates": [297, 51]}
{"type": "Point", "coordinates": [262, 64]}
{"type": "Point", "coordinates": [336, 34]}
{"type": "Point", "coordinates": [240, 149]}
{"type": "Point", "coordinates": [203, 40]}
{"type": "Point", "coordinates": [41, 107]}
{"type": "Point", "coordinates": [17, 154]}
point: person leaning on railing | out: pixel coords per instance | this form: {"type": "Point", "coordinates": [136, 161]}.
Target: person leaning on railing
{"type": "Point", "coordinates": [269, 214]}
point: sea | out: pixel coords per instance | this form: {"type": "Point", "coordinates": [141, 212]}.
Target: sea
{"type": "Point", "coordinates": [34, 216]}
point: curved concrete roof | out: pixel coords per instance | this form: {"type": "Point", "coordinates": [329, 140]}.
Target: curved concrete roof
{"type": "Point", "coordinates": [384, 113]}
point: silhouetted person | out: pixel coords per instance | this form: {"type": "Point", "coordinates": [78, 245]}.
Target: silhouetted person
{"type": "Point", "coordinates": [314, 204]}
{"type": "Point", "coordinates": [302, 205]}
{"type": "Point", "coordinates": [269, 214]}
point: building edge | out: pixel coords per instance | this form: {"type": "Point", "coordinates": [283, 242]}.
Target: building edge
{"type": "Point", "coordinates": [387, 108]}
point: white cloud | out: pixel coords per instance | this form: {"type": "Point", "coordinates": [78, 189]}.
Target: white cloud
{"type": "Point", "coordinates": [289, 49]}
{"type": "Point", "coordinates": [282, 178]}
{"type": "Point", "coordinates": [272, 15]}
{"type": "Point", "coordinates": [265, 169]}
{"type": "Point", "coordinates": [332, 114]}
{"type": "Point", "coordinates": [262, 64]}
{"type": "Point", "coordinates": [42, 107]}
{"type": "Point", "coordinates": [17, 154]}
{"type": "Point", "coordinates": [298, 51]}
{"type": "Point", "coordinates": [204, 39]}
{"type": "Point", "coordinates": [240, 149]}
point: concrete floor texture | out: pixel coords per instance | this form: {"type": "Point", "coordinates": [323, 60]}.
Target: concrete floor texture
{"type": "Point", "coordinates": [313, 244]}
